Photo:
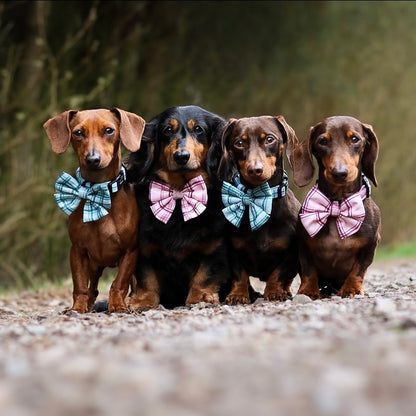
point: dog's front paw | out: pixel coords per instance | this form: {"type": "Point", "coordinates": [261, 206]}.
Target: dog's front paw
{"type": "Point", "coordinates": [142, 303]}
{"type": "Point", "coordinates": [237, 300]}
{"type": "Point", "coordinates": [350, 292]}
{"type": "Point", "coordinates": [118, 308]}
{"type": "Point", "coordinates": [314, 295]}
{"type": "Point", "coordinates": [279, 295]}
{"type": "Point", "coordinates": [81, 304]}
{"type": "Point", "coordinates": [198, 297]}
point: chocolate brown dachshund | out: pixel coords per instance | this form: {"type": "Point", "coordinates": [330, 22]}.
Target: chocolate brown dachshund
{"type": "Point", "coordinates": [261, 210]}
{"type": "Point", "coordinates": [339, 226]}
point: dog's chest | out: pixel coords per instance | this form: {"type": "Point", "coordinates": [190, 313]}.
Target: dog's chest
{"type": "Point", "coordinates": [330, 251]}
{"type": "Point", "coordinates": [106, 239]}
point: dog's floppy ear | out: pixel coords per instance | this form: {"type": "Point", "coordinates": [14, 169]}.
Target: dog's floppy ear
{"type": "Point", "coordinates": [131, 129]}
{"type": "Point", "coordinates": [217, 125]}
{"type": "Point", "coordinates": [290, 136]}
{"type": "Point", "coordinates": [370, 154]}
{"type": "Point", "coordinates": [58, 131]}
{"type": "Point", "coordinates": [226, 162]}
{"type": "Point", "coordinates": [303, 167]}
{"type": "Point", "coordinates": [140, 162]}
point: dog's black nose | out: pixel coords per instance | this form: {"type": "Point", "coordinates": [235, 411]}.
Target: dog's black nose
{"type": "Point", "coordinates": [181, 157]}
{"type": "Point", "coordinates": [339, 174]}
{"type": "Point", "coordinates": [93, 159]}
{"type": "Point", "coordinates": [255, 169]}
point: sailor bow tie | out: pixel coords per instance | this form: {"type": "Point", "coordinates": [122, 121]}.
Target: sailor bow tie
{"type": "Point", "coordinates": [349, 213]}
{"type": "Point", "coordinates": [258, 200]}
{"type": "Point", "coordinates": [193, 197]}
{"type": "Point", "coordinates": [70, 191]}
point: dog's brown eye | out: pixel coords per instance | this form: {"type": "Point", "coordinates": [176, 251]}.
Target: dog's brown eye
{"type": "Point", "coordinates": [270, 139]}
{"type": "Point", "coordinates": [239, 143]}
{"type": "Point", "coordinates": [168, 130]}
{"type": "Point", "coordinates": [78, 133]}
{"type": "Point", "coordinates": [323, 141]}
{"type": "Point", "coordinates": [109, 130]}
{"type": "Point", "coordinates": [198, 129]}
{"type": "Point", "coordinates": [354, 139]}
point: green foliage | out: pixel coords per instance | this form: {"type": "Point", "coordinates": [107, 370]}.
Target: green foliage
{"type": "Point", "coordinates": [305, 60]}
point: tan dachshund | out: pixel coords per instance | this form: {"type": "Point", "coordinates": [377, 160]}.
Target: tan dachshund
{"type": "Point", "coordinates": [102, 208]}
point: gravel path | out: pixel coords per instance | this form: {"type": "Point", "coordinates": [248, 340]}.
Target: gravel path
{"type": "Point", "coordinates": [332, 357]}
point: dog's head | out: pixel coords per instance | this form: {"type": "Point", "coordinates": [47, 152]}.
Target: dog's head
{"type": "Point", "coordinates": [255, 146]}
{"type": "Point", "coordinates": [95, 134]}
{"type": "Point", "coordinates": [179, 142]}
{"type": "Point", "coordinates": [343, 147]}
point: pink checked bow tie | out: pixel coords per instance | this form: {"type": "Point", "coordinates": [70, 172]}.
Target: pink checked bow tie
{"type": "Point", "coordinates": [193, 197]}
{"type": "Point", "coordinates": [317, 208]}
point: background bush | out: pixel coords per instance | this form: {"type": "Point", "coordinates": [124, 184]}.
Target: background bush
{"type": "Point", "coordinates": [305, 60]}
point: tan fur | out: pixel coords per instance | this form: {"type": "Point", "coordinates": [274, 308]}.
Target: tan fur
{"type": "Point", "coordinates": [112, 240]}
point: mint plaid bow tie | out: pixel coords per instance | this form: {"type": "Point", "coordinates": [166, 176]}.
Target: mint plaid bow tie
{"type": "Point", "coordinates": [350, 212]}
{"type": "Point", "coordinates": [259, 200]}
{"type": "Point", "coordinates": [70, 191]}
{"type": "Point", "coordinates": [193, 197]}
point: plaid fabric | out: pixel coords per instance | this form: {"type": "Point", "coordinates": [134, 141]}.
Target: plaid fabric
{"type": "Point", "coordinates": [70, 191]}
{"type": "Point", "coordinates": [317, 208]}
{"type": "Point", "coordinates": [259, 200]}
{"type": "Point", "coordinates": [193, 198]}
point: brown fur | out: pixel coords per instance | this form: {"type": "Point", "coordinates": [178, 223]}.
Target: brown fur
{"type": "Point", "coordinates": [343, 148]}
{"type": "Point", "coordinates": [254, 147]}
{"type": "Point", "coordinates": [112, 240]}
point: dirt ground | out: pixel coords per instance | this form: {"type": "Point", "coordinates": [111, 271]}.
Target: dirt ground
{"type": "Point", "coordinates": [329, 357]}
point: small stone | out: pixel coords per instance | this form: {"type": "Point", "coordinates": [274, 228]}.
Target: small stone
{"type": "Point", "coordinates": [384, 306]}
{"type": "Point", "coordinates": [301, 299]}
{"type": "Point", "coordinates": [36, 329]}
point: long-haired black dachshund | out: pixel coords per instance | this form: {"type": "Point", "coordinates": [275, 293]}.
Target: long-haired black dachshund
{"type": "Point", "coordinates": [183, 257]}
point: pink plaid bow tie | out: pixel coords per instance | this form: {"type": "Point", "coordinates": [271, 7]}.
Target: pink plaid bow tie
{"type": "Point", "coordinates": [163, 197]}
{"type": "Point", "coordinates": [317, 208]}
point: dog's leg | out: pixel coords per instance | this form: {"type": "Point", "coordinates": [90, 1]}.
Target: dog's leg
{"type": "Point", "coordinates": [147, 294]}
{"type": "Point", "coordinates": [239, 293]}
{"type": "Point", "coordinates": [309, 285]}
{"type": "Point", "coordinates": [121, 285]}
{"type": "Point", "coordinates": [277, 288]}
{"type": "Point", "coordinates": [353, 284]}
{"type": "Point", "coordinates": [95, 274]}
{"type": "Point", "coordinates": [200, 291]}
{"type": "Point", "coordinates": [80, 275]}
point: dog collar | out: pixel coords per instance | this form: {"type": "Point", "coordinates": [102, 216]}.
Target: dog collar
{"type": "Point", "coordinates": [258, 200]}
{"type": "Point", "coordinates": [70, 191]}
{"type": "Point", "coordinates": [278, 191]}
{"type": "Point", "coordinates": [194, 198]}
{"type": "Point", "coordinates": [349, 213]}
{"type": "Point", "coordinates": [113, 186]}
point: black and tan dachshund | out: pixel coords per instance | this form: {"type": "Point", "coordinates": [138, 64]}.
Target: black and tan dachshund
{"type": "Point", "coordinates": [183, 257]}
{"type": "Point", "coordinates": [339, 226]}
{"type": "Point", "coordinates": [261, 209]}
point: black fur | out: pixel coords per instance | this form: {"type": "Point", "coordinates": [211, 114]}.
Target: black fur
{"type": "Point", "coordinates": [174, 252]}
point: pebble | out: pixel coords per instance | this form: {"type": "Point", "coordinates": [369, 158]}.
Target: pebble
{"type": "Point", "coordinates": [384, 306]}
{"type": "Point", "coordinates": [301, 299]}
{"type": "Point", "coordinates": [328, 357]}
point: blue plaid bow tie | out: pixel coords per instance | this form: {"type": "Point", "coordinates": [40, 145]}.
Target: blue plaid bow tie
{"type": "Point", "coordinates": [70, 191]}
{"type": "Point", "coordinates": [259, 200]}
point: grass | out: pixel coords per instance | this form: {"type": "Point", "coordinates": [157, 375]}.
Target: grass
{"type": "Point", "coordinates": [391, 252]}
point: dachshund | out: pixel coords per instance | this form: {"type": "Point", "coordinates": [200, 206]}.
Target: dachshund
{"type": "Point", "coordinates": [183, 257]}
{"type": "Point", "coordinates": [262, 237]}
{"type": "Point", "coordinates": [339, 223]}
{"type": "Point", "coordinates": [103, 212]}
